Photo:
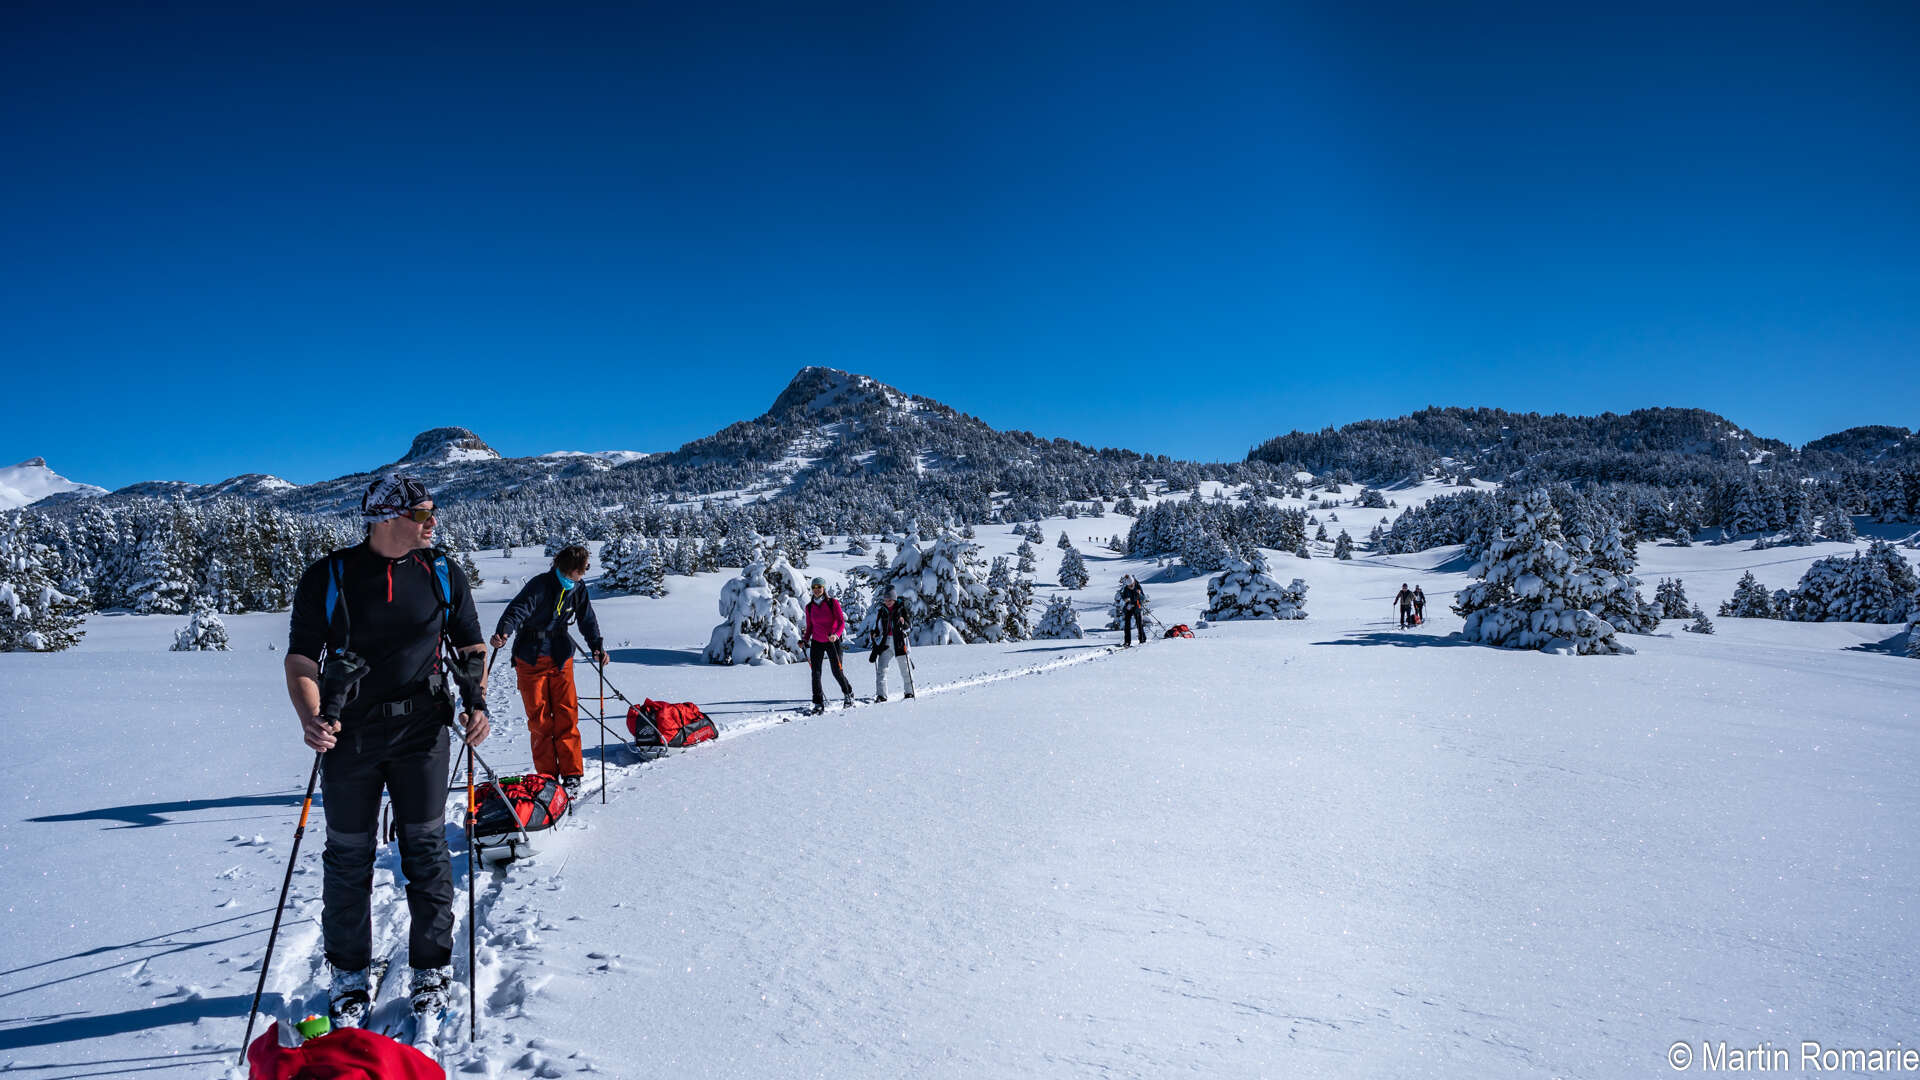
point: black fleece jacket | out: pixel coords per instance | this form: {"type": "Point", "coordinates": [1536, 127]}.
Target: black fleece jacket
{"type": "Point", "coordinates": [539, 616]}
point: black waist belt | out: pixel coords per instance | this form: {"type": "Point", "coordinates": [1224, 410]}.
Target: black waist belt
{"type": "Point", "coordinates": [418, 703]}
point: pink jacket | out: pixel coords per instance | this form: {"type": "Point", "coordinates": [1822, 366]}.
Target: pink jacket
{"type": "Point", "coordinates": [825, 620]}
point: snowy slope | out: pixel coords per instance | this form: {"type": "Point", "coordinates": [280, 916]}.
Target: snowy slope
{"type": "Point", "coordinates": [1321, 848]}
{"type": "Point", "coordinates": [31, 480]}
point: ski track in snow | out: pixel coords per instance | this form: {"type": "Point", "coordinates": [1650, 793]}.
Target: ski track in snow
{"type": "Point", "coordinates": [509, 903]}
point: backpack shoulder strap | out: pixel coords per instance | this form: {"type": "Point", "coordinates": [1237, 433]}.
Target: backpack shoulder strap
{"type": "Point", "coordinates": [442, 580]}
{"type": "Point", "coordinates": [333, 586]}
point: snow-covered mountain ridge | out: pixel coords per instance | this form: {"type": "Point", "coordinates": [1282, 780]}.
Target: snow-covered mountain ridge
{"type": "Point", "coordinates": [828, 429]}
{"type": "Point", "coordinates": [31, 480]}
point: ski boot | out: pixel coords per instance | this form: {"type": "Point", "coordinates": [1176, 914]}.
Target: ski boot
{"type": "Point", "coordinates": [349, 997]}
{"type": "Point", "coordinates": [908, 694]}
{"type": "Point", "coordinates": [572, 786]}
{"type": "Point", "coordinates": [879, 697]}
{"type": "Point", "coordinates": [428, 990]}
{"type": "Point", "coordinates": [818, 708]}
{"type": "Point", "coordinates": [849, 702]}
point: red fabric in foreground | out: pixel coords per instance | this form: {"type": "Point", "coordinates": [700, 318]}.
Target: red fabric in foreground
{"type": "Point", "coordinates": [347, 1054]}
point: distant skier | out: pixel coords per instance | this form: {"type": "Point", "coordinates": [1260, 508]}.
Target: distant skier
{"type": "Point", "coordinates": [826, 625]}
{"type": "Point", "coordinates": [1404, 601]}
{"type": "Point", "coordinates": [1133, 603]}
{"type": "Point", "coordinates": [890, 643]}
{"type": "Point", "coordinates": [543, 660]}
{"type": "Point", "coordinates": [378, 610]}
{"type": "Point", "coordinates": [1419, 606]}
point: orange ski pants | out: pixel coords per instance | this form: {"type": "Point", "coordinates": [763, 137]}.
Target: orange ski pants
{"type": "Point", "coordinates": [553, 715]}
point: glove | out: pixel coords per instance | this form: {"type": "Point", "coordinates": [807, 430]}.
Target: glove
{"type": "Point", "coordinates": [873, 657]}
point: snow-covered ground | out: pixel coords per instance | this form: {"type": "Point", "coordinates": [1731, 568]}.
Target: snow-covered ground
{"type": "Point", "coordinates": [1317, 848]}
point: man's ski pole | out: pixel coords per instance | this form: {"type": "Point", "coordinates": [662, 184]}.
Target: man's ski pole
{"type": "Point", "coordinates": [473, 993]}
{"type": "Point", "coordinates": [603, 736]}
{"type": "Point", "coordinates": [300, 830]}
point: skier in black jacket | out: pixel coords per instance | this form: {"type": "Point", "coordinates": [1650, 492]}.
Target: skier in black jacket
{"type": "Point", "coordinates": [383, 601]}
{"type": "Point", "coordinates": [890, 643]}
{"type": "Point", "coordinates": [1133, 603]}
{"type": "Point", "coordinates": [543, 660]}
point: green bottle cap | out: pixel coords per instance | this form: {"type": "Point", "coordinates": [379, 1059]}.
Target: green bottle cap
{"type": "Point", "coordinates": [314, 1026]}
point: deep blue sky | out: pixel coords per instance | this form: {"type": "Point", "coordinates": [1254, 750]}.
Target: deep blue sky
{"type": "Point", "coordinates": [262, 241]}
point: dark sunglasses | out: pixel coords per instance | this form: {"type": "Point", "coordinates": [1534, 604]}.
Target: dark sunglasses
{"type": "Point", "coordinates": [418, 517]}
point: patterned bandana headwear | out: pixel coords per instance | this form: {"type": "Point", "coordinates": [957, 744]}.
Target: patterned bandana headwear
{"type": "Point", "coordinates": [391, 496]}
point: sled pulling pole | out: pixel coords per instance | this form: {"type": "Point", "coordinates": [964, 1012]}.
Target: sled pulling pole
{"type": "Point", "coordinates": [602, 669]}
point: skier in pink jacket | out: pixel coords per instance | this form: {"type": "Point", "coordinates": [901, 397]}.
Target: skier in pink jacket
{"type": "Point", "coordinates": [826, 626]}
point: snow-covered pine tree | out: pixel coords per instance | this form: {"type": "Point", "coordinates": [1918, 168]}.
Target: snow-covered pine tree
{"type": "Point", "coordinates": [204, 631]}
{"type": "Point", "coordinates": [1343, 545]}
{"type": "Point", "coordinates": [853, 603]}
{"type": "Point", "coordinates": [163, 571]}
{"type": "Point", "coordinates": [1533, 591]}
{"type": "Point", "coordinates": [857, 544]}
{"type": "Point", "coordinates": [1063, 543]}
{"type": "Point", "coordinates": [618, 561]}
{"type": "Point", "coordinates": [1913, 634]}
{"type": "Point", "coordinates": [1837, 524]}
{"type": "Point", "coordinates": [1877, 585]}
{"type": "Point", "coordinates": [1701, 624]}
{"type": "Point", "coordinates": [1750, 600]}
{"type": "Point", "coordinates": [944, 590]}
{"type": "Point", "coordinates": [647, 571]}
{"type": "Point", "coordinates": [1670, 596]}
{"type": "Point", "coordinates": [34, 616]}
{"type": "Point", "coordinates": [881, 560]}
{"type": "Point", "coordinates": [1242, 592]}
{"type": "Point", "coordinates": [1025, 554]}
{"type": "Point", "coordinates": [1059, 621]}
{"type": "Point", "coordinates": [1016, 600]}
{"type": "Point", "coordinates": [1301, 552]}
{"type": "Point", "coordinates": [1620, 604]}
{"type": "Point", "coordinates": [471, 568]}
{"type": "Point", "coordinates": [741, 547]}
{"type": "Point", "coordinates": [1073, 570]}
{"type": "Point", "coordinates": [757, 627]}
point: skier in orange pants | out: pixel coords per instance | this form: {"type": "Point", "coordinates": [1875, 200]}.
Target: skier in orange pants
{"type": "Point", "coordinates": [543, 660]}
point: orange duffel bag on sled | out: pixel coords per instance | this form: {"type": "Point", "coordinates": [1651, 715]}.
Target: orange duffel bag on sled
{"type": "Point", "coordinates": [669, 723]}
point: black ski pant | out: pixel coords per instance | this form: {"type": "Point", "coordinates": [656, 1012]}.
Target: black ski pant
{"type": "Point", "coordinates": [408, 757]}
{"type": "Point", "coordinates": [830, 650]}
{"type": "Point", "coordinates": [1406, 616]}
{"type": "Point", "coordinates": [1129, 620]}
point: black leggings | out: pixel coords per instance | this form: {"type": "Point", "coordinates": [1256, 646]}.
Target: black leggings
{"type": "Point", "coordinates": [1130, 619]}
{"type": "Point", "coordinates": [831, 651]}
{"type": "Point", "coordinates": [408, 758]}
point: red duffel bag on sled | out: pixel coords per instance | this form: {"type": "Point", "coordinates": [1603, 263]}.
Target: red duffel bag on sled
{"type": "Point", "coordinates": [346, 1054]}
{"type": "Point", "coordinates": [669, 723]}
{"type": "Point", "coordinates": [503, 828]}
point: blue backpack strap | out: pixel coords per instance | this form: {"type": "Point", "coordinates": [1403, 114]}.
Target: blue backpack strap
{"type": "Point", "coordinates": [333, 587]}
{"type": "Point", "coordinates": [445, 578]}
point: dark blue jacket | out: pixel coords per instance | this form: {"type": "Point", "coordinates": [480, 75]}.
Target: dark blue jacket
{"type": "Point", "coordinates": [539, 616]}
